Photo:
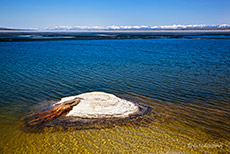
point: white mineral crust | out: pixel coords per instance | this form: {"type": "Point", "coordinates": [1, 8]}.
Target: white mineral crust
{"type": "Point", "coordinates": [101, 105]}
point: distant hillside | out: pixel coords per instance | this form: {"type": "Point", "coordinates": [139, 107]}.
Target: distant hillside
{"type": "Point", "coordinates": [14, 29]}
{"type": "Point", "coordinates": [1, 28]}
{"type": "Point", "coordinates": [168, 27]}
{"type": "Point", "coordinates": [124, 28]}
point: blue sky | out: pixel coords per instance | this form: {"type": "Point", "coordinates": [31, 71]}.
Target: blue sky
{"type": "Point", "coordinates": [45, 13]}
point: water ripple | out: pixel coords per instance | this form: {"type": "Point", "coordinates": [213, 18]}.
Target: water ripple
{"type": "Point", "coordinates": [185, 83]}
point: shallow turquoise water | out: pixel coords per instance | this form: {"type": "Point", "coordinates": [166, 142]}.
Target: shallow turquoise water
{"type": "Point", "coordinates": [179, 71]}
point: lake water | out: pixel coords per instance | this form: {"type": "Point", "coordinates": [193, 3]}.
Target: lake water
{"type": "Point", "coordinates": [185, 82]}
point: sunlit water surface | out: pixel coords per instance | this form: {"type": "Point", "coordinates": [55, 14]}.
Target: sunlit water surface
{"type": "Point", "coordinates": [185, 83]}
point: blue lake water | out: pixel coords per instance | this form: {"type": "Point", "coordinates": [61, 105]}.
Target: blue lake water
{"type": "Point", "coordinates": [181, 72]}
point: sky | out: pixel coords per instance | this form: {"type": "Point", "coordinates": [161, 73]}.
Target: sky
{"type": "Point", "coordinates": [48, 13]}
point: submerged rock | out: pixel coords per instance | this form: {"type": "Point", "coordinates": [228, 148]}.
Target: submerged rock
{"type": "Point", "coordinates": [84, 111]}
